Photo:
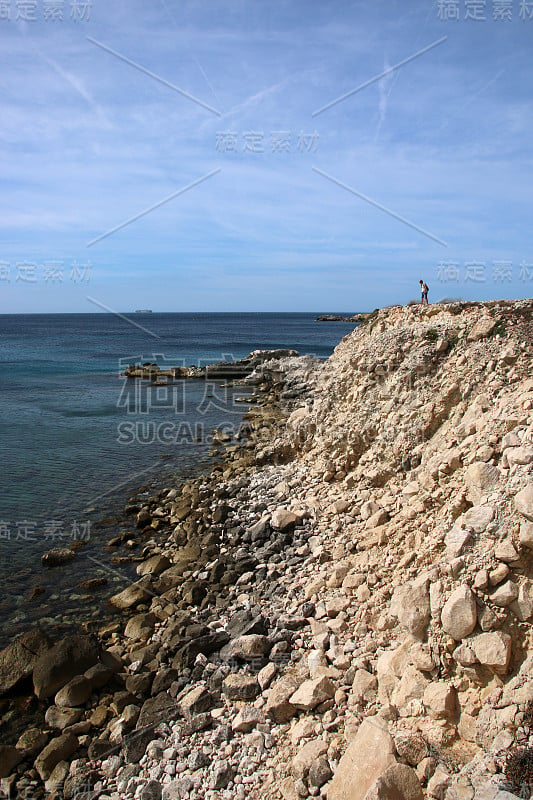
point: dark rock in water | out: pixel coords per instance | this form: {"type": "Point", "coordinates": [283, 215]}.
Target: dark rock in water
{"type": "Point", "coordinates": [66, 659]}
{"type": "Point", "coordinates": [92, 583]}
{"type": "Point", "coordinates": [116, 541]}
{"type": "Point", "coordinates": [143, 518]}
{"type": "Point", "coordinates": [36, 591]}
{"type": "Point", "coordinates": [18, 659]}
{"type": "Point", "coordinates": [57, 557]}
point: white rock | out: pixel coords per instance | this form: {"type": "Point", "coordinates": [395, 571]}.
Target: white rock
{"type": "Point", "coordinates": [312, 692]}
{"type": "Point", "coordinates": [524, 502]}
{"type": "Point", "coordinates": [493, 650]}
{"type": "Point", "coordinates": [456, 540]}
{"type": "Point", "coordinates": [505, 594]}
{"type": "Point", "coordinates": [365, 760]}
{"type": "Point", "coordinates": [482, 476]}
{"type": "Point", "coordinates": [459, 613]}
{"type": "Point", "coordinates": [410, 604]}
{"type": "Point", "coordinates": [478, 517]}
{"type": "Point", "coordinates": [440, 698]}
{"type": "Point", "coordinates": [526, 533]}
{"type": "Point", "coordinates": [520, 455]}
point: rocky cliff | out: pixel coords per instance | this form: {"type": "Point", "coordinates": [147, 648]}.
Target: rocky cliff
{"type": "Point", "coordinates": [418, 459]}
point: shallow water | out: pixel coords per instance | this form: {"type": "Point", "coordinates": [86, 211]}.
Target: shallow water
{"type": "Point", "coordinates": [77, 438]}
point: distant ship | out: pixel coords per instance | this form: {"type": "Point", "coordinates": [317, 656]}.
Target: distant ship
{"type": "Point", "coordinates": [143, 311]}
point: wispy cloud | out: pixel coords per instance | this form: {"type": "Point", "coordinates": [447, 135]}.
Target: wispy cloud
{"type": "Point", "coordinates": [90, 142]}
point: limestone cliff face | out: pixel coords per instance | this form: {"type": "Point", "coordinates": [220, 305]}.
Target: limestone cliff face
{"type": "Point", "coordinates": [418, 451]}
{"type": "Point", "coordinates": [400, 384]}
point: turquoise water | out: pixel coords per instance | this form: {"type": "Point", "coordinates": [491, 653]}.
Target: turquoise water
{"type": "Point", "coordinates": [77, 439]}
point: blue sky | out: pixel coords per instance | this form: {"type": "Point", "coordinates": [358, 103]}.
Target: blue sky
{"type": "Point", "coordinates": [423, 173]}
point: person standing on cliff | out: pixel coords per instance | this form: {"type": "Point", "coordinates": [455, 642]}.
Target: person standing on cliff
{"type": "Point", "coordinates": [425, 289]}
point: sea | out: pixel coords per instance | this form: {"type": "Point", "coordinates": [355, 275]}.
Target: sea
{"type": "Point", "coordinates": [77, 439]}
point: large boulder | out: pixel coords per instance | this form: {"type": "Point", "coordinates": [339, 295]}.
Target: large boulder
{"type": "Point", "coordinates": [410, 604]}
{"type": "Point", "coordinates": [154, 565]}
{"type": "Point", "coordinates": [138, 592]}
{"type": "Point", "coordinates": [459, 613]}
{"type": "Point", "coordinates": [59, 749]}
{"type": "Point", "coordinates": [18, 659]}
{"type": "Point", "coordinates": [493, 650]}
{"type": "Point", "coordinates": [482, 328]}
{"type": "Point", "coordinates": [62, 718]}
{"type": "Point", "coordinates": [66, 659]}
{"type": "Point", "coordinates": [398, 782]}
{"type": "Point", "coordinates": [368, 756]}
{"type": "Point", "coordinates": [58, 557]}
{"type": "Point", "coordinates": [75, 693]}
{"type": "Point", "coordinates": [312, 692]}
{"type": "Point", "coordinates": [278, 705]}
{"type": "Point", "coordinates": [246, 648]}
{"type": "Point", "coordinates": [482, 476]}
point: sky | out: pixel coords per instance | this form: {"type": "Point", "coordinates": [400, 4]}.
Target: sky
{"type": "Point", "coordinates": [254, 155]}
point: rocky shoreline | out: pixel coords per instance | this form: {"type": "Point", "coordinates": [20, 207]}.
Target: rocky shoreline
{"type": "Point", "coordinates": [180, 533]}
{"type": "Point", "coordinates": [341, 609]}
